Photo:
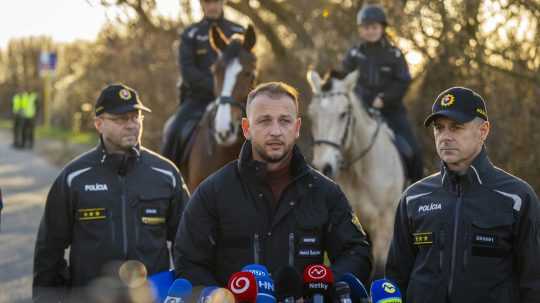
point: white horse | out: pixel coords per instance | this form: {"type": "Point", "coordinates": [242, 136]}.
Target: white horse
{"type": "Point", "coordinates": [356, 149]}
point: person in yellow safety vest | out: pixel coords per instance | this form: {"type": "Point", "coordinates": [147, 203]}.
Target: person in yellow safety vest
{"type": "Point", "coordinates": [17, 120]}
{"type": "Point", "coordinates": [28, 113]}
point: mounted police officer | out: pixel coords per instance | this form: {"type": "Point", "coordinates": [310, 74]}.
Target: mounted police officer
{"type": "Point", "coordinates": [269, 206]}
{"type": "Point", "coordinates": [196, 57]}
{"type": "Point", "coordinates": [383, 81]}
{"type": "Point", "coordinates": [117, 202]}
{"type": "Point", "coordinates": [470, 233]}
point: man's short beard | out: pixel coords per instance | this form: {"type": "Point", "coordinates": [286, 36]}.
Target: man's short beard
{"type": "Point", "coordinates": [262, 153]}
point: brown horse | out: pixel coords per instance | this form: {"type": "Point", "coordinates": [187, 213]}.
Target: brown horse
{"type": "Point", "coordinates": [218, 138]}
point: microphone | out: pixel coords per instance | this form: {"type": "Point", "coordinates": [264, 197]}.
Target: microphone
{"type": "Point", "coordinates": [160, 283]}
{"type": "Point", "coordinates": [288, 285]}
{"type": "Point", "coordinates": [221, 295]}
{"type": "Point", "coordinates": [357, 288]}
{"type": "Point", "coordinates": [318, 280]}
{"type": "Point", "coordinates": [257, 270]}
{"type": "Point", "coordinates": [385, 291]}
{"type": "Point", "coordinates": [206, 293]}
{"type": "Point", "coordinates": [179, 291]}
{"type": "Point", "coordinates": [343, 292]}
{"type": "Point", "coordinates": [243, 286]}
{"type": "Point", "coordinates": [265, 290]}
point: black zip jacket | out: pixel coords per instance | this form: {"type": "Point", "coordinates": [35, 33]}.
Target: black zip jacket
{"type": "Point", "coordinates": [229, 221]}
{"type": "Point", "coordinates": [107, 207]}
{"type": "Point", "coordinates": [383, 72]}
{"type": "Point", "coordinates": [467, 238]}
{"type": "Point", "coordinates": [196, 58]}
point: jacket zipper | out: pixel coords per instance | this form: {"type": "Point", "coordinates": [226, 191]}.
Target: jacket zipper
{"type": "Point", "coordinates": [124, 227]}
{"type": "Point", "coordinates": [442, 240]}
{"type": "Point", "coordinates": [454, 240]}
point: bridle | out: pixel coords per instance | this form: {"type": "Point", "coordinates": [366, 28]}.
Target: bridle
{"type": "Point", "coordinates": [339, 146]}
{"type": "Point", "coordinates": [230, 100]}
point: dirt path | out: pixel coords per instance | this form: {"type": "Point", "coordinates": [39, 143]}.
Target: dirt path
{"type": "Point", "coordinates": [25, 179]}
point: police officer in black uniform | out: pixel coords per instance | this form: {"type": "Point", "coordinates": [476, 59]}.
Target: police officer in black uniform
{"type": "Point", "coordinates": [470, 233]}
{"type": "Point", "coordinates": [269, 206]}
{"type": "Point", "coordinates": [196, 58]}
{"type": "Point", "coordinates": [117, 202]}
{"type": "Point", "coordinates": [383, 81]}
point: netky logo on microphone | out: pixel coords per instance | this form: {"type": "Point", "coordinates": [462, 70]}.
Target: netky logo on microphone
{"type": "Point", "coordinates": [429, 207]}
{"type": "Point", "coordinates": [318, 285]}
{"type": "Point", "coordinates": [317, 272]}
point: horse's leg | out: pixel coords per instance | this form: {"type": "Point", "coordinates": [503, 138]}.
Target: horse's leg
{"type": "Point", "coordinates": [197, 168]}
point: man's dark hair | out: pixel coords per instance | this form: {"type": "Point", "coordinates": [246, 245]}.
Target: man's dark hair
{"type": "Point", "coordinates": [273, 90]}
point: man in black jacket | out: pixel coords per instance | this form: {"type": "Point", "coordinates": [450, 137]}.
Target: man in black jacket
{"type": "Point", "coordinates": [269, 206]}
{"type": "Point", "coordinates": [117, 202]}
{"type": "Point", "coordinates": [196, 57]}
{"type": "Point", "coordinates": [470, 233]}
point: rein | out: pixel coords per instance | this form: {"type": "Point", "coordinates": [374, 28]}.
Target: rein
{"type": "Point", "coordinates": [339, 146]}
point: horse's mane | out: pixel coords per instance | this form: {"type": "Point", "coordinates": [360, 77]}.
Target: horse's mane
{"type": "Point", "coordinates": [332, 74]}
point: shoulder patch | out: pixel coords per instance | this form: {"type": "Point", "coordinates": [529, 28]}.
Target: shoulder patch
{"type": "Point", "coordinates": [191, 33]}
{"type": "Point", "coordinates": [357, 53]}
{"type": "Point", "coordinates": [397, 52]}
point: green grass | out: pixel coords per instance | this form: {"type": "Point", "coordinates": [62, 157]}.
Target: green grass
{"type": "Point", "coordinates": [56, 133]}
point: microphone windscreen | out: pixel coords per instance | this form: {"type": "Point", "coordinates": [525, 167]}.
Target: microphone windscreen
{"type": "Point", "coordinates": [288, 283]}
{"type": "Point", "coordinates": [160, 283]}
{"type": "Point", "coordinates": [318, 280]}
{"type": "Point", "coordinates": [385, 291]}
{"type": "Point", "coordinates": [243, 286]}
{"type": "Point", "coordinates": [358, 290]}
{"type": "Point", "coordinates": [266, 290]}
{"type": "Point", "coordinates": [221, 295]}
{"type": "Point", "coordinates": [257, 270]}
{"type": "Point", "coordinates": [205, 294]}
{"type": "Point", "coordinates": [179, 291]}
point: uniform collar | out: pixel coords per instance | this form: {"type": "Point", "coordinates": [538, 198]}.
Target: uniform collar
{"type": "Point", "coordinates": [246, 163]}
{"type": "Point", "coordinates": [118, 162]}
{"type": "Point", "coordinates": [218, 20]}
{"type": "Point", "coordinates": [382, 43]}
{"type": "Point", "coordinates": [478, 173]}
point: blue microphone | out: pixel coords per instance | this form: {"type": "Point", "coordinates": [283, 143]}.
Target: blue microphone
{"type": "Point", "coordinates": [206, 293]}
{"type": "Point", "coordinates": [257, 270]}
{"type": "Point", "coordinates": [385, 291]}
{"type": "Point", "coordinates": [266, 291]}
{"type": "Point", "coordinates": [179, 291]}
{"type": "Point", "coordinates": [160, 283]}
{"type": "Point", "coordinates": [358, 290]}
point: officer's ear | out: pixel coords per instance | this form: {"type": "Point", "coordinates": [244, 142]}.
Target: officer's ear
{"type": "Point", "coordinates": [98, 122]}
{"type": "Point", "coordinates": [250, 38]}
{"type": "Point", "coordinates": [218, 40]}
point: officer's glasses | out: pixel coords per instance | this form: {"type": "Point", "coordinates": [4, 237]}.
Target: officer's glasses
{"type": "Point", "coordinates": [125, 119]}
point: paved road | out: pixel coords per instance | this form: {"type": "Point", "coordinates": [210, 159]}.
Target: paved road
{"type": "Point", "coordinates": [25, 179]}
